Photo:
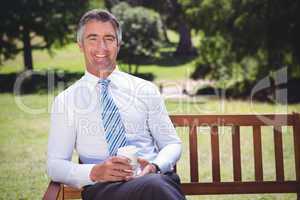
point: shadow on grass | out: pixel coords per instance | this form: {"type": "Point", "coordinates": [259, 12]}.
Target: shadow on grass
{"type": "Point", "coordinates": [167, 59]}
{"type": "Point", "coordinates": [29, 82]}
{"type": "Point", "coordinates": [286, 93]}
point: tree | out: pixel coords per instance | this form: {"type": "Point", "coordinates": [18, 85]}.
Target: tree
{"type": "Point", "coordinates": [215, 56]}
{"type": "Point", "coordinates": [37, 24]}
{"type": "Point", "coordinates": [141, 33]}
{"type": "Point", "coordinates": [260, 37]}
{"type": "Point", "coordinates": [264, 30]}
{"type": "Point", "coordinates": [173, 17]}
{"type": "Point", "coordinates": [178, 19]}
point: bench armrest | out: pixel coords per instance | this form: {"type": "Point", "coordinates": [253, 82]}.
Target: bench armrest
{"type": "Point", "coordinates": [52, 191]}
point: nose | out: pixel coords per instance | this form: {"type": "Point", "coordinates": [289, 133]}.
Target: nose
{"type": "Point", "coordinates": [102, 45]}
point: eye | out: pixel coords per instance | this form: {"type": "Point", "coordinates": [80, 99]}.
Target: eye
{"type": "Point", "coordinates": [109, 39]}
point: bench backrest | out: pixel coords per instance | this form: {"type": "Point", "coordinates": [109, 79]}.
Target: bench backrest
{"type": "Point", "coordinates": [237, 185]}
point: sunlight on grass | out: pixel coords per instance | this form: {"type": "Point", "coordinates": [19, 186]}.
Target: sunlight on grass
{"type": "Point", "coordinates": [67, 58]}
{"type": "Point", "coordinates": [71, 59]}
{"type": "Point", "coordinates": [215, 106]}
{"type": "Point", "coordinates": [23, 141]}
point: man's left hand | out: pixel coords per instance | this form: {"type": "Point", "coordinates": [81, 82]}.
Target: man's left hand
{"type": "Point", "coordinates": [146, 167]}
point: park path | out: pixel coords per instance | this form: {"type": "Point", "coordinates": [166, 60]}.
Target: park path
{"type": "Point", "coordinates": [180, 89]}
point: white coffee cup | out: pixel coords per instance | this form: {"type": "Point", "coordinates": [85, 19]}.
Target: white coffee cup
{"type": "Point", "coordinates": [130, 152]}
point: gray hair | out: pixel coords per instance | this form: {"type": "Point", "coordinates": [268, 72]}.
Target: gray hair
{"type": "Point", "coordinates": [99, 15]}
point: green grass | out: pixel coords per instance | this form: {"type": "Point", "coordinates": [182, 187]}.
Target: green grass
{"type": "Point", "coordinates": [71, 59]}
{"type": "Point", "coordinates": [23, 145]}
{"type": "Point", "coordinates": [68, 58]}
{"type": "Point", "coordinates": [23, 141]}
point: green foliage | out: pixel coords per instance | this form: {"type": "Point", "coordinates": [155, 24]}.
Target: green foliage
{"type": "Point", "coordinates": [53, 22]}
{"type": "Point", "coordinates": [173, 17]}
{"type": "Point", "coordinates": [215, 52]}
{"type": "Point", "coordinates": [218, 61]}
{"type": "Point", "coordinates": [246, 40]}
{"type": "Point", "coordinates": [96, 4]}
{"type": "Point", "coordinates": [215, 60]}
{"type": "Point", "coordinates": [142, 35]}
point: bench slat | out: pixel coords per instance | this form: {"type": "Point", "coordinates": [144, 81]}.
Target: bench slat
{"type": "Point", "coordinates": [236, 153]}
{"type": "Point", "coordinates": [240, 187]}
{"type": "Point", "coordinates": [175, 167]}
{"type": "Point", "coordinates": [278, 153]}
{"type": "Point", "coordinates": [72, 193]}
{"type": "Point", "coordinates": [193, 153]}
{"type": "Point", "coordinates": [258, 168]}
{"type": "Point", "coordinates": [296, 133]}
{"type": "Point", "coordinates": [223, 188]}
{"type": "Point", "coordinates": [229, 120]}
{"type": "Point", "coordinates": [215, 154]}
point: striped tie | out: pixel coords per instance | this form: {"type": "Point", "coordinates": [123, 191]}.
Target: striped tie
{"type": "Point", "coordinates": [113, 126]}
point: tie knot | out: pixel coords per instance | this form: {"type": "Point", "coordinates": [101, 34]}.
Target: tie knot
{"type": "Point", "coordinates": [104, 83]}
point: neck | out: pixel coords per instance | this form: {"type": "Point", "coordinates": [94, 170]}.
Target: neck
{"type": "Point", "coordinates": [103, 73]}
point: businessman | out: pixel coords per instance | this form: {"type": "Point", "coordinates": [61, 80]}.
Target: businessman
{"type": "Point", "coordinates": [107, 109]}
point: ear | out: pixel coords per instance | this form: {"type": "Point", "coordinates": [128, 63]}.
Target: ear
{"type": "Point", "coordinates": [80, 46]}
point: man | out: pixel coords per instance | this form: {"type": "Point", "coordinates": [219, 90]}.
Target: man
{"type": "Point", "coordinates": [105, 110]}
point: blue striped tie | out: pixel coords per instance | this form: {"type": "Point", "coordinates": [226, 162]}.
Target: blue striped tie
{"type": "Point", "coordinates": [113, 126]}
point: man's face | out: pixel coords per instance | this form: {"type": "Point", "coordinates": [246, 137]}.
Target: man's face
{"type": "Point", "coordinates": [100, 47]}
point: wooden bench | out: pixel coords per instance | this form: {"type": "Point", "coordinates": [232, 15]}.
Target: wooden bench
{"type": "Point", "coordinates": [237, 185]}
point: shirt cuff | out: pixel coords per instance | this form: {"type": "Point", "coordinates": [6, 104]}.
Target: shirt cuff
{"type": "Point", "coordinates": [83, 175]}
{"type": "Point", "coordinates": [163, 166]}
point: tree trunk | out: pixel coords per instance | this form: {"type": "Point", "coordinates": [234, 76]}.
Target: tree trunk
{"type": "Point", "coordinates": [136, 69]}
{"type": "Point", "coordinates": [27, 51]}
{"type": "Point", "coordinates": [185, 46]}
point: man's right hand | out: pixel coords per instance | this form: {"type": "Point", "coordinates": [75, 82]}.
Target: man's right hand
{"type": "Point", "coordinates": [113, 169]}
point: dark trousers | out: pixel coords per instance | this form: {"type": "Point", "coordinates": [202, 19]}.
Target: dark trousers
{"type": "Point", "coordinates": [148, 187]}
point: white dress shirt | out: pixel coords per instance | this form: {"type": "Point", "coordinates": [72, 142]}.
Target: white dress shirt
{"type": "Point", "coordinates": [76, 124]}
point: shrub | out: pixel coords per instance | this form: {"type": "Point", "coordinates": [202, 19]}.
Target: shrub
{"type": "Point", "coordinates": [142, 33]}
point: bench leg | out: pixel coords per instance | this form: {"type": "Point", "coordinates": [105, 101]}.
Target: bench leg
{"type": "Point", "coordinates": [53, 191]}
{"type": "Point", "coordinates": [298, 196]}
{"type": "Point", "coordinates": [61, 193]}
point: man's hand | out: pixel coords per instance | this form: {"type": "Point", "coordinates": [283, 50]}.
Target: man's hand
{"type": "Point", "coordinates": [146, 167]}
{"type": "Point", "coordinates": [113, 169]}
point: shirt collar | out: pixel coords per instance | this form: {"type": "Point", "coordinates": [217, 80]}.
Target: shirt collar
{"type": "Point", "coordinates": [93, 80]}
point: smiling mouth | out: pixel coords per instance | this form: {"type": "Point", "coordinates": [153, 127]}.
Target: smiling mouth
{"type": "Point", "coordinates": [100, 56]}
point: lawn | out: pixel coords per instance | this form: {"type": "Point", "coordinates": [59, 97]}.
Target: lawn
{"type": "Point", "coordinates": [23, 144]}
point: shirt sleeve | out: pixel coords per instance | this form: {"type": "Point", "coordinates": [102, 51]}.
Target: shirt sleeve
{"type": "Point", "coordinates": [61, 144]}
{"type": "Point", "coordinates": [163, 132]}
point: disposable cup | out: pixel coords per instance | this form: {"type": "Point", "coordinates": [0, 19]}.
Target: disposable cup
{"type": "Point", "coordinates": [130, 152]}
